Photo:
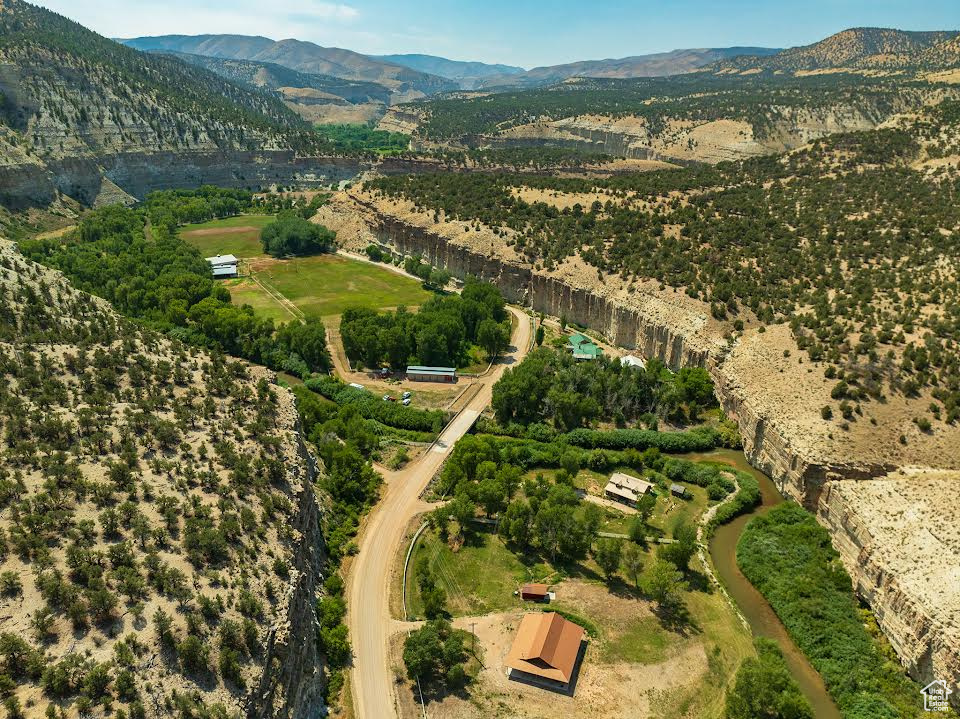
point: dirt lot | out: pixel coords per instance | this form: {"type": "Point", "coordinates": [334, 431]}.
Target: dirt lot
{"type": "Point", "coordinates": [604, 691]}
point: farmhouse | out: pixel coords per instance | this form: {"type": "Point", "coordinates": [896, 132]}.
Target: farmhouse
{"type": "Point", "coordinates": [546, 651]}
{"type": "Point", "coordinates": [223, 266]}
{"type": "Point", "coordinates": [431, 374]}
{"type": "Point", "coordinates": [626, 488]}
{"type": "Point", "coordinates": [534, 592]}
{"type": "Point", "coordinates": [582, 347]}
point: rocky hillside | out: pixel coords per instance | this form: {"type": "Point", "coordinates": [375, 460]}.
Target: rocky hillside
{"type": "Point", "coordinates": [316, 98]}
{"type": "Point", "coordinates": [81, 115]}
{"type": "Point", "coordinates": [160, 537]}
{"type": "Point", "coordinates": [861, 48]}
{"type": "Point", "coordinates": [304, 57]}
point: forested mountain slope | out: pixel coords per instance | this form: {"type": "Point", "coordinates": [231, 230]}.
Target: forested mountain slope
{"type": "Point", "coordinates": [700, 116]}
{"type": "Point", "coordinates": [160, 541]}
{"type": "Point", "coordinates": [862, 48]}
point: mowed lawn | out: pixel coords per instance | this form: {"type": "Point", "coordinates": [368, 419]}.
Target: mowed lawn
{"type": "Point", "coordinates": [319, 286]}
{"type": "Point", "coordinates": [325, 285]}
{"type": "Point", "coordinates": [238, 236]}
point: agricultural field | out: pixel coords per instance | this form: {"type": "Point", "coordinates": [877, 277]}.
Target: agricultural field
{"type": "Point", "coordinates": [238, 235]}
{"type": "Point", "coordinates": [317, 286]}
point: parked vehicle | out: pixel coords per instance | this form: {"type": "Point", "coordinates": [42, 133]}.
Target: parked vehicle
{"type": "Point", "coordinates": [406, 395]}
{"type": "Point", "coordinates": [406, 402]}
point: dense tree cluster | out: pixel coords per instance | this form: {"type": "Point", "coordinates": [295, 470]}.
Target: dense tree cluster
{"type": "Point", "coordinates": [440, 333]}
{"type": "Point", "coordinates": [364, 139]}
{"type": "Point", "coordinates": [844, 240]}
{"type": "Point", "coordinates": [164, 281]}
{"type": "Point", "coordinates": [435, 654]}
{"type": "Point", "coordinates": [764, 688]}
{"type": "Point", "coordinates": [291, 234]}
{"type": "Point", "coordinates": [550, 385]}
{"type": "Point", "coordinates": [787, 555]}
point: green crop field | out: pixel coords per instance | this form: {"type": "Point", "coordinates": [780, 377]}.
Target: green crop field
{"type": "Point", "coordinates": [320, 286]}
{"type": "Point", "coordinates": [238, 236]}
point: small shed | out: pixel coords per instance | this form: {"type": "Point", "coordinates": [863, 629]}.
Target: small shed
{"type": "Point", "coordinates": [678, 490]}
{"type": "Point", "coordinates": [632, 361]}
{"type": "Point", "coordinates": [534, 592]}
{"type": "Point", "coordinates": [223, 266]}
{"type": "Point", "coordinates": [419, 373]}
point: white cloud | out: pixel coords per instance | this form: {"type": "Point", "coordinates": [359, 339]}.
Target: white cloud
{"type": "Point", "coordinates": [306, 19]}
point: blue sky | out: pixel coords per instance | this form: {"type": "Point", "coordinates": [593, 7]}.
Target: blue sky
{"type": "Point", "coordinates": [519, 32]}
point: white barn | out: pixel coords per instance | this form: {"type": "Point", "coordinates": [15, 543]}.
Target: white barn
{"type": "Point", "coordinates": [223, 266]}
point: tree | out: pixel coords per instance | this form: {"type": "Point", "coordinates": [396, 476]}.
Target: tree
{"type": "Point", "coordinates": [607, 553]}
{"type": "Point", "coordinates": [681, 550]}
{"type": "Point", "coordinates": [764, 688]}
{"type": "Point", "coordinates": [633, 562]}
{"type": "Point", "coordinates": [194, 654]}
{"type": "Point", "coordinates": [290, 234]}
{"type": "Point", "coordinates": [430, 652]}
{"type": "Point", "coordinates": [540, 334]}
{"type": "Point", "coordinates": [493, 337]}
{"type": "Point", "coordinates": [663, 583]}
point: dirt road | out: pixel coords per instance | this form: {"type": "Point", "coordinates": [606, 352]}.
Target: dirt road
{"type": "Point", "coordinates": [372, 678]}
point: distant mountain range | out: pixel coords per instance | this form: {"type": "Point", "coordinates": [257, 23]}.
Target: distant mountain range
{"type": "Point", "coordinates": [859, 48]}
{"type": "Point", "coordinates": [468, 74]}
{"type": "Point", "coordinates": [305, 57]}
{"type": "Point", "coordinates": [658, 64]}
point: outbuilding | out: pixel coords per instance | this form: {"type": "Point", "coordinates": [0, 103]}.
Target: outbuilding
{"type": "Point", "coordinates": [678, 490]}
{"type": "Point", "coordinates": [534, 592]}
{"type": "Point", "coordinates": [419, 373]}
{"type": "Point", "coordinates": [582, 347]}
{"type": "Point", "coordinates": [223, 266]}
{"type": "Point", "coordinates": [632, 361]}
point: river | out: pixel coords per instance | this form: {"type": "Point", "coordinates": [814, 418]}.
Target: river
{"type": "Point", "coordinates": [760, 615]}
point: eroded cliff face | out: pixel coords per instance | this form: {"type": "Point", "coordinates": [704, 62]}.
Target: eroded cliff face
{"type": "Point", "coordinates": [899, 540]}
{"type": "Point", "coordinates": [291, 685]}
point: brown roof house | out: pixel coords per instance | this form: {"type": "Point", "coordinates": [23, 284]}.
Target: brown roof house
{"type": "Point", "coordinates": [546, 651]}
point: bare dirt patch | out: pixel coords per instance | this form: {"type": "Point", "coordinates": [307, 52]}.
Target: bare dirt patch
{"type": "Point", "coordinates": [220, 231]}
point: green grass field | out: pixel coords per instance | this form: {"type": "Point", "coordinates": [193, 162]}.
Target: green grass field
{"type": "Point", "coordinates": [238, 236]}
{"type": "Point", "coordinates": [325, 285]}
{"type": "Point", "coordinates": [320, 286]}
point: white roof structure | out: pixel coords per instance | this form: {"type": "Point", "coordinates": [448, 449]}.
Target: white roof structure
{"type": "Point", "coordinates": [223, 260]}
{"type": "Point", "coordinates": [632, 361]}
{"type": "Point", "coordinates": [223, 265]}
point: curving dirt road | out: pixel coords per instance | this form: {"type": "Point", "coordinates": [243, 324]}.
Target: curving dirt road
{"type": "Point", "coordinates": [368, 585]}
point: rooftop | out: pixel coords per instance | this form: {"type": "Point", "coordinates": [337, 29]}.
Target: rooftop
{"type": "Point", "coordinates": [630, 482]}
{"type": "Point", "coordinates": [546, 645]}
{"type": "Point", "coordinates": [430, 370]}
{"type": "Point", "coordinates": [223, 260]}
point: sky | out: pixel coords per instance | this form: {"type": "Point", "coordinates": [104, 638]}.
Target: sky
{"type": "Point", "coordinates": [516, 32]}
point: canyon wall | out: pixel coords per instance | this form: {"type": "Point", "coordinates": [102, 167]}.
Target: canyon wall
{"type": "Point", "coordinates": [139, 173]}
{"type": "Point", "coordinates": [815, 470]}
{"type": "Point", "coordinates": [896, 539]}
{"type": "Point", "coordinates": [291, 685]}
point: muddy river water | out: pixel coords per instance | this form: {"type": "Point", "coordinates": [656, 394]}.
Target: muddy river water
{"type": "Point", "coordinates": [760, 615]}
